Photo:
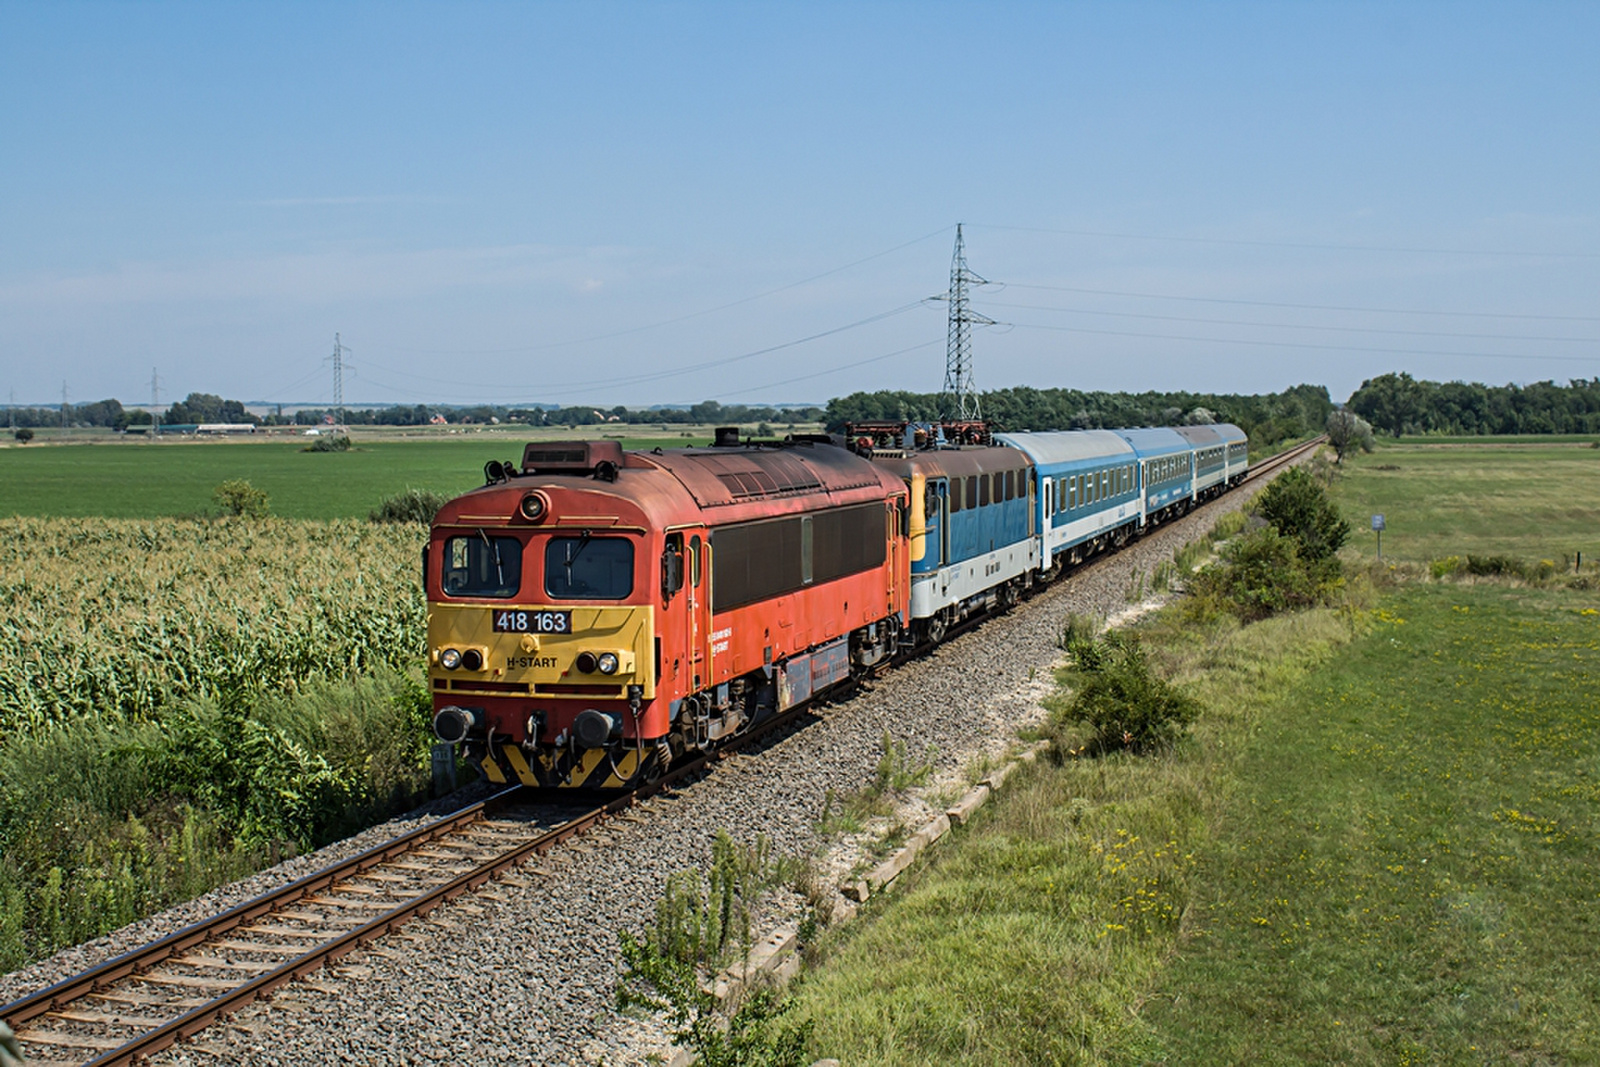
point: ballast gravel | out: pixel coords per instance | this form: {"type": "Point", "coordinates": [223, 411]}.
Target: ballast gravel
{"type": "Point", "coordinates": [525, 973]}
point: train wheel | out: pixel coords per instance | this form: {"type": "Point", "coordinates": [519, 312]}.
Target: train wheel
{"type": "Point", "coordinates": [936, 629]}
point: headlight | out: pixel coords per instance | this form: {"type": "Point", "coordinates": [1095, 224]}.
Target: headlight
{"type": "Point", "coordinates": [472, 659]}
{"type": "Point", "coordinates": [450, 659]}
{"type": "Point", "coordinates": [608, 663]}
{"type": "Point", "coordinates": [533, 507]}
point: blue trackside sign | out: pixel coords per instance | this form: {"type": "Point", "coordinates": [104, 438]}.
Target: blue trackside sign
{"type": "Point", "coordinates": [1377, 522]}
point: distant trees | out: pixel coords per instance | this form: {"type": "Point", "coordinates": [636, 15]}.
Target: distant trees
{"type": "Point", "coordinates": [205, 407]}
{"type": "Point", "coordinates": [1398, 404]}
{"type": "Point", "coordinates": [1297, 412]}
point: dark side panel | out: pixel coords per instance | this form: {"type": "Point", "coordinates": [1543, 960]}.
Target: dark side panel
{"type": "Point", "coordinates": [755, 561]}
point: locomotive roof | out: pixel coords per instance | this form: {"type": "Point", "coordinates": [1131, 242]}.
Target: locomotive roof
{"type": "Point", "coordinates": [1066, 446]}
{"type": "Point", "coordinates": [956, 462]}
{"type": "Point", "coordinates": [718, 477]}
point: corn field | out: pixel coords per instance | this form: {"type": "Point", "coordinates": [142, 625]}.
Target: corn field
{"type": "Point", "coordinates": [119, 619]}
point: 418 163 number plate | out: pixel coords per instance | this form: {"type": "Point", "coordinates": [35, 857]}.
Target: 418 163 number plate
{"type": "Point", "coordinates": [533, 622]}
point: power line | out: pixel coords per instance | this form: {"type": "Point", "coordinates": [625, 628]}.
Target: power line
{"type": "Point", "coordinates": [1299, 244]}
{"type": "Point", "coordinates": [679, 318]}
{"type": "Point", "coordinates": [1297, 326]}
{"type": "Point", "coordinates": [575, 387]}
{"type": "Point", "coordinates": [1299, 344]}
{"type": "Point", "coordinates": [1305, 307]}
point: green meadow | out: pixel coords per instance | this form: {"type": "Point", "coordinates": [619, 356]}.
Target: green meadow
{"type": "Point", "coordinates": [1377, 845]}
{"type": "Point", "coordinates": [1514, 497]}
{"type": "Point", "coordinates": [144, 479]}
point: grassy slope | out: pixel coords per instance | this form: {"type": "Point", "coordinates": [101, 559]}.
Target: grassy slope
{"type": "Point", "coordinates": [143, 479]}
{"type": "Point", "coordinates": [1405, 869]}
{"type": "Point", "coordinates": [1290, 834]}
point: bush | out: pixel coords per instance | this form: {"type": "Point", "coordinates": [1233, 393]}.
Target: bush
{"type": "Point", "coordinates": [239, 497]}
{"type": "Point", "coordinates": [23, 435]}
{"type": "Point", "coordinates": [1119, 698]}
{"type": "Point", "coordinates": [1443, 568]}
{"type": "Point", "coordinates": [413, 505]}
{"type": "Point", "coordinates": [696, 927]}
{"type": "Point", "coordinates": [1261, 573]}
{"type": "Point", "coordinates": [1299, 508]}
{"type": "Point", "coordinates": [339, 443]}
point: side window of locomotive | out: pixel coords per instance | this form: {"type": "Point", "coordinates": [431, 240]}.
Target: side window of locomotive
{"type": "Point", "coordinates": [972, 490]}
{"type": "Point", "coordinates": [482, 566]}
{"type": "Point", "coordinates": [694, 561]}
{"type": "Point", "coordinates": [983, 490]}
{"type": "Point", "coordinates": [588, 568]}
{"type": "Point", "coordinates": [953, 488]}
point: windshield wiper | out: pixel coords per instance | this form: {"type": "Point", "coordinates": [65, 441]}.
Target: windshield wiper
{"type": "Point", "coordinates": [494, 547]}
{"type": "Point", "coordinates": [573, 553]}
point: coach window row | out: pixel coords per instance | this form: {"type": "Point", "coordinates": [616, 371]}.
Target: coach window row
{"type": "Point", "coordinates": [1166, 468]}
{"type": "Point", "coordinates": [980, 490]}
{"type": "Point", "coordinates": [1082, 490]}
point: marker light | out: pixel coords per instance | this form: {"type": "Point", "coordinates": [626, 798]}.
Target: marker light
{"type": "Point", "coordinates": [450, 659]}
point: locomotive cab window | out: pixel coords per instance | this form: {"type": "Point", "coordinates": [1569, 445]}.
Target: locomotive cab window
{"type": "Point", "coordinates": [588, 568]}
{"type": "Point", "coordinates": [481, 565]}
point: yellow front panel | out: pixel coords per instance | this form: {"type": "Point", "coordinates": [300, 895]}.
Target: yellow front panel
{"type": "Point", "coordinates": [919, 520]}
{"type": "Point", "coordinates": [540, 659]}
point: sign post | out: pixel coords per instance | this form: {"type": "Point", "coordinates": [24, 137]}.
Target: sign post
{"type": "Point", "coordinates": [1377, 528]}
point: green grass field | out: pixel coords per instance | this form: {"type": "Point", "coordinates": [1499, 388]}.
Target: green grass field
{"type": "Point", "coordinates": [134, 479]}
{"type": "Point", "coordinates": [1378, 845]}
{"type": "Point", "coordinates": [1536, 499]}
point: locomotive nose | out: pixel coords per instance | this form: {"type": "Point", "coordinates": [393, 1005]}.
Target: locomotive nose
{"type": "Point", "coordinates": [452, 724]}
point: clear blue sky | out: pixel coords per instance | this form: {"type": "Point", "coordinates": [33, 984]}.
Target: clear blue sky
{"type": "Point", "coordinates": [614, 202]}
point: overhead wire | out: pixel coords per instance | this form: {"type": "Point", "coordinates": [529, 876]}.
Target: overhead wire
{"type": "Point", "coordinates": [679, 318]}
{"type": "Point", "coordinates": [1307, 307]}
{"type": "Point", "coordinates": [1299, 344]}
{"type": "Point", "coordinates": [1291, 325]}
{"type": "Point", "coordinates": [1324, 247]}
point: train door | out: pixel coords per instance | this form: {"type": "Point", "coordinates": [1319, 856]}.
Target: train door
{"type": "Point", "coordinates": [695, 589]}
{"type": "Point", "coordinates": [933, 526]}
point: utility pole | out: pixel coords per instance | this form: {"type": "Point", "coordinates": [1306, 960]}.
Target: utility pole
{"type": "Point", "coordinates": [155, 405]}
{"type": "Point", "coordinates": [63, 405]}
{"type": "Point", "coordinates": [11, 410]}
{"type": "Point", "coordinates": [959, 395]}
{"type": "Point", "coordinates": [338, 378]}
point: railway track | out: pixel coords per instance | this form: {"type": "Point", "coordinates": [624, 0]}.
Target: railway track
{"type": "Point", "coordinates": [171, 989]}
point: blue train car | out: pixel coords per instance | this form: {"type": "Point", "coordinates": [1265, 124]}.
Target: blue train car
{"type": "Point", "coordinates": [1166, 471]}
{"type": "Point", "coordinates": [972, 539]}
{"type": "Point", "coordinates": [1088, 492]}
{"type": "Point", "coordinates": [1220, 457]}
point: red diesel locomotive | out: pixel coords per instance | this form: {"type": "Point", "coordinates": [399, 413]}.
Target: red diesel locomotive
{"type": "Point", "coordinates": [594, 614]}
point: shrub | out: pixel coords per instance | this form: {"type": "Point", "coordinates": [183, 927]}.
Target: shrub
{"type": "Point", "coordinates": [413, 505]}
{"type": "Point", "coordinates": [329, 443]}
{"type": "Point", "coordinates": [1261, 573]}
{"type": "Point", "coordinates": [1443, 568]}
{"type": "Point", "coordinates": [1121, 701]}
{"type": "Point", "coordinates": [23, 435]}
{"type": "Point", "coordinates": [694, 930]}
{"type": "Point", "coordinates": [1299, 508]}
{"type": "Point", "coordinates": [1495, 567]}
{"type": "Point", "coordinates": [239, 497]}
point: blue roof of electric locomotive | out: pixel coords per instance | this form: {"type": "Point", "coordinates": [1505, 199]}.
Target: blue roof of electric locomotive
{"type": "Point", "coordinates": [1054, 447]}
{"type": "Point", "coordinates": [1155, 441]}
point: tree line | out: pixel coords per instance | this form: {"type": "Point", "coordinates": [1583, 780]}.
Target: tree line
{"type": "Point", "coordinates": [1268, 418]}
{"type": "Point", "coordinates": [1399, 404]}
